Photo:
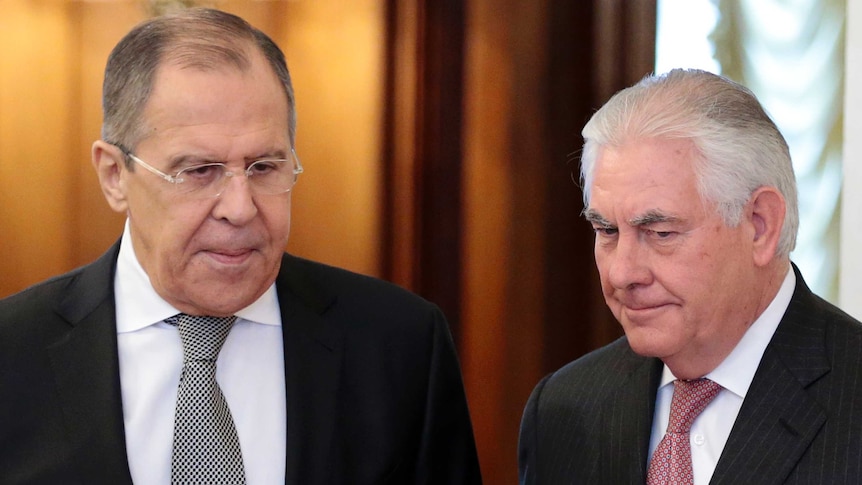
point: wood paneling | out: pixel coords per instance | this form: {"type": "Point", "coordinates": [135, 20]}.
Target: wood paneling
{"type": "Point", "coordinates": [439, 140]}
{"type": "Point", "coordinates": [36, 163]}
{"type": "Point", "coordinates": [534, 71]}
{"type": "Point", "coordinates": [54, 53]}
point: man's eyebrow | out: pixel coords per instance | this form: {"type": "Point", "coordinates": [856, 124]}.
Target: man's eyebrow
{"type": "Point", "coordinates": [189, 160]}
{"type": "Point", "coordinates": [652, 217]}
{"type": "Point", "coordinates": [594, 217]}
{"type": "Point", "coordinates": [184, 161]}
{"type": "Point", "coordinates": [649, 217]}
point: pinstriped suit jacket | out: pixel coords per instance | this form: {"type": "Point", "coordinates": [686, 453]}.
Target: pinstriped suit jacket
{"type": "Point", "coordinates": [801, 422]}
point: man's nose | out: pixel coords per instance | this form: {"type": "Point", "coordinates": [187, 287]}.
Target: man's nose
{"type": "Point", "coordinates": [628, 262]}
{"type": "Point", "coordinates": [236, 202]}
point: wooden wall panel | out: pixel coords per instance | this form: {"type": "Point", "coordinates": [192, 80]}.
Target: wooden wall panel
{"type": "Point", "coordinates": [398, 226]}
{"type": "Point", "coordinates": [535, 72]}
{"type": "Point", "coordinates": [98, 27]}
{"type": "Point", "coordinates": [35, 137]}
{"type": "Point", "coordinates": [51, 72]}
{"type": "Point", "coordinates": [438, 138]}
{"type": "Point", "coordinates": [335, 51]}
{"type": "Point", "coordinates": [489, 256]}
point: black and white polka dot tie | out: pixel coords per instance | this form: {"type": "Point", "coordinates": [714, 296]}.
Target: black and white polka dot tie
{"type": "Point", "coordinates": [206, 447]}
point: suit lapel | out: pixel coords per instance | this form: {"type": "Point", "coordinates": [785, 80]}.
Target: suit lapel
{"type": "Point", "coordinates": [86, 369]}
{"type": "Point", "coordinates": [86, 372]}
{"type": "Point", "coordinates": [777, 418]}
{"type": "Point", "coordinates": [627, 420]}
{"type": "Point", "coordinates": [312, 351]}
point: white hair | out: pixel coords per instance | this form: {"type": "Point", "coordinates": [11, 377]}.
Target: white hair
{"type": "Point", "coordinates": [740, 147]}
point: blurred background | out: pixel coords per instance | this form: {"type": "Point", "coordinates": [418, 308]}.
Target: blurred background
{"type": "Point", "coordinates": [439, 140]}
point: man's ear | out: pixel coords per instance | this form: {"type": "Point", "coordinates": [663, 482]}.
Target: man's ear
{"type": "Point", "coordinates": [766, 212]}
{"type": "Point", "coordinates": [109, 162]}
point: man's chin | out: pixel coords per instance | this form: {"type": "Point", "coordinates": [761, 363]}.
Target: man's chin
{"type": "Point", "coordinates": [219, 307]}
{"type": "Point", "coordinates": [220, 296]}
{"type": "Point", "coordinates": [647, 342]}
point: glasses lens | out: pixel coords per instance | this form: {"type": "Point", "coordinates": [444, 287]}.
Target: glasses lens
{"type": "Point", "coordinates": [268, 176]}
{"type": "Point", "coordinates": [205, 180]}
{"type": "Point", "coordinates": [272, 176]}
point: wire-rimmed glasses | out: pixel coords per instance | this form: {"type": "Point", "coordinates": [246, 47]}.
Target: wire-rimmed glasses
{"type": "Point", "coordinates": [268, 176]}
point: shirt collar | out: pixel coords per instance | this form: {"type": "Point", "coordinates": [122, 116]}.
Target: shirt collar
{"type": "Point", "coordinates": [737, 370]}
{"type": "Point", "coordinates": [139, 306]}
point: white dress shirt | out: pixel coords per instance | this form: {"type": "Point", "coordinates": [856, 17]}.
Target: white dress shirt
{"type": "Point", "coordinates": [250, 372]}
{"type": "Point", "coordinates": [711, 429]}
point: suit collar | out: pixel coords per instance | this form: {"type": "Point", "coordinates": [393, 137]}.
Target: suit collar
{"type": "Point", "coordinates": [800, 341]}
{"type": "Point", "coordinates": [86, 370]}
{"type": "Point", "coordinates": [630, 412]}
{"type": "Point", "coordinates": [86, 367]}
{"type": "Point", "coordinates": [312, 351]}
{"type": "Point", "coordinates": [777, 414]}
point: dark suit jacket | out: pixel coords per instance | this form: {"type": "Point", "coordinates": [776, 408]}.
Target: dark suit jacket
{"type": "Point", "coordinates": [374, 392]}
{"type": "Point", "coordinates": [801, 422]}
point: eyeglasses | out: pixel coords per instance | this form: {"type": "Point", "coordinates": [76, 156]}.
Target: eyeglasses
{"type": "Point", "coordinates": [267, 176]}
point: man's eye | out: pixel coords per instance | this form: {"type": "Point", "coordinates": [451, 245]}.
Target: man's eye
{"type": "Point", "coordinates": [263, 167]}
{"type": "Point", "coordinates": [606, 231]}
{"type": "Point", "coordinates": [202, 172]}
{"type": "Point", "coordinates": [660, 234]}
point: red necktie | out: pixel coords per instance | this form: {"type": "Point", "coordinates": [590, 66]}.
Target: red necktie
{"type": "Point", "coordinates": [671, 461]}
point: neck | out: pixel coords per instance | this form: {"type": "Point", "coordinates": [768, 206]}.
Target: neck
{"type": "Point", "coordinates": [702, 359]}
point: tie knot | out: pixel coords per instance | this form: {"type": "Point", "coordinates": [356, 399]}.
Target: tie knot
{"type": "Point", "coordinates": [690, 398]}
{"type": "Point", "coordinates": [202, 336]}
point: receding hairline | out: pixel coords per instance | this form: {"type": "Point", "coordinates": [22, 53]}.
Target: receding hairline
{"type": "Point", "coordinates": [255, 59]}
{"type": "Point", "coordinates": [199, 38]}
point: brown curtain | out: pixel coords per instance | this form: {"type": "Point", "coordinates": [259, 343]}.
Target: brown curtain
{"type": "Point", "coordinates": [481, 213]}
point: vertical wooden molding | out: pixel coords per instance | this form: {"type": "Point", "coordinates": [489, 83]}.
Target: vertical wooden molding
{"type": "Point", "coordinates": [490, 227]}
{"type": "Point", "coordinates": [400, 128]}
{"type": "Point", "coordinates": [423, 157]}
{"type": "Point", "coordinates": [624, 40]}
{"type": "Point", "coordinates": [482, 205]}
{"type": "Point", "coordinates": [439, 164]}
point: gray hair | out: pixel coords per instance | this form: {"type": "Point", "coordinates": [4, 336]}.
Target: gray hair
{"type": "Point", "coordinates": [740, 147]}
{"type": "Point", "coordinates": [199, 38]}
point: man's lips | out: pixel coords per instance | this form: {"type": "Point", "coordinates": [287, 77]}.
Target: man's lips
{"type": "Point", "coordinates": [644, 312]}
{"type": "Point", "coordinates": [229, 256]}
{"type": "Point", "coordinates": [644, 306]}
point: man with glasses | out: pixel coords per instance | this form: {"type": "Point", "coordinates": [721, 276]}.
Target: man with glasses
{"type": "Point", "coordinates": [195, 350]}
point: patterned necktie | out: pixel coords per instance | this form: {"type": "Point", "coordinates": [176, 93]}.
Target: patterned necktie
{"type": "Point", "coordinates": [671, 461]}
{"type": "Point", "coordinates": [206, 447]}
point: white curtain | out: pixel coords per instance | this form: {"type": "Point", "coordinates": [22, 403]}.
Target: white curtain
{"type": "Point", "coordinates": [791, 54]}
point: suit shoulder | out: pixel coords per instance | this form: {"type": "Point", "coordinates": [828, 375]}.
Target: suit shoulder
{"type": "Point", "coordinates": [357, 302]}
{"type": "Point", "coordinates": [809, 316]}
{"type": "Point", "coordinates": [343, 282]}
{"type": "Point", "coordinates": [88, 283]}
{"type": "Point", "coordinates": [614, 360]}
{"type": "Point", "coordinates": [842, 332]}
{"type": "Point", "coordinates": [30, 319]}
{"type": "Point", "coordinates": [591, 378]}
{"type": "Point", "coordinates": [37, 298]}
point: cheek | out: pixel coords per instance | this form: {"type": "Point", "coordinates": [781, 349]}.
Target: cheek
{"type": "Point", "coordinates": [181, 233]}
{"type": "Point", "coordinates": [600, 259]}
{"type": "Point", "coordinates": [277, 221]}
{"type": "Point", "coordinates": [603, 267]}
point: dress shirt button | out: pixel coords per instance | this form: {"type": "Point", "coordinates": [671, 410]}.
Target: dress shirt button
{"type": "Point", "coordinates": [698, 439]}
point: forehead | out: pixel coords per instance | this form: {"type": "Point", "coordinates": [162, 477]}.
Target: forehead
{"type": "Point", "coordinates": [180, 85]}
{"type": "Point", "coordinates": [650, 176]}
{"type": "Point", "coordinates": [216, 107]}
